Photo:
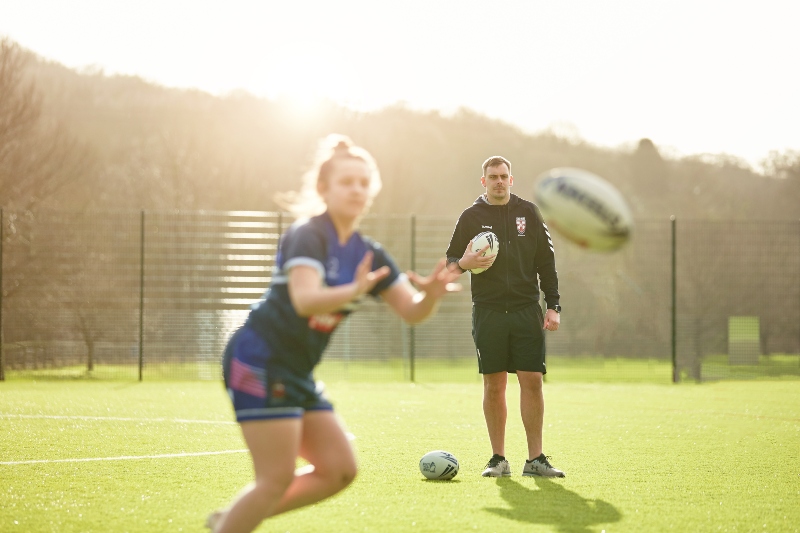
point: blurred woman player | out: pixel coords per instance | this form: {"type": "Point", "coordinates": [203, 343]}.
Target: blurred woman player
{"type": "Point", "coordinates": [323, 268]}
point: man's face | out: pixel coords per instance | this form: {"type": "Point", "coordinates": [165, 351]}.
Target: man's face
{"type": "Point", "coordinates": [498, 181]}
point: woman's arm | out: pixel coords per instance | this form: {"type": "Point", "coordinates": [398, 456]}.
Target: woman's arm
{"type": "Point", "coordinates": [311, 297]}
{"type": "Point", "coordinates": [415, 306]}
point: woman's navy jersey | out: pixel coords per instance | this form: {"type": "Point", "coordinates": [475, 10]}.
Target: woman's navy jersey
{"type": "Point", "coordinates": [298, 342]}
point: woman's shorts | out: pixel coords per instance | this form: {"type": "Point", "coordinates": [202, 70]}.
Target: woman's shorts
{"type": "Point", "coordinates": [263, 389]}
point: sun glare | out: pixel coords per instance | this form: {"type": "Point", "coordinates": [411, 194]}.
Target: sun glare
{"type": "Point", "coordinates": [304, 76]}
{"type": "Point", "coordinates": [724, 86]}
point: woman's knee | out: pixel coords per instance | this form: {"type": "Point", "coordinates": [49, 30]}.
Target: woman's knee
{"type": "Point", "coordinates": [339, 474]}
{"type": "Point", "coordinates": [348, 474]}
{"type": "Point", "coordinates": [272, 487]}
{"type": "Point", "coordinates": [344, 473]}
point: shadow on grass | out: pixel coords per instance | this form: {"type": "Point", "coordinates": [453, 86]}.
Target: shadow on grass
{"type": "Point", "coordinates": [552, 504]}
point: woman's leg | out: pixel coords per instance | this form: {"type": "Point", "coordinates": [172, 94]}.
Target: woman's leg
{"type": "Point", "coordinates": [274, 446]}
{"type": "Point", "coordinates": [322, 442]}
{"type": "Point", "coordinates": [333, 465]}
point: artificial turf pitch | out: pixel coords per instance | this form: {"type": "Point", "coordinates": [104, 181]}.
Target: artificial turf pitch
{"type": "Point", "coordinates": [86, 456]}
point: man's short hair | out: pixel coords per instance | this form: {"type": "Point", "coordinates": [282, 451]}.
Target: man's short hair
{"type": "Point", "coordinates": [494, 161]}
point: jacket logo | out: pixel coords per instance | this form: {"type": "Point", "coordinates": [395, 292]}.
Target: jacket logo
{"type": "Point", "coordinates": [521, 225]}
{"type": "Point", "coordinates": [486, 227]}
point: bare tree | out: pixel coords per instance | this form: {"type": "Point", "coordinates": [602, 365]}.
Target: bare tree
{"type": "Point", "coordinates": [785, 167]}
{"type": "Point", "coordinates": [38, 157]}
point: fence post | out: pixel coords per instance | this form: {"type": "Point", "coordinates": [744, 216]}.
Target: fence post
{"type": "Point", "coordinates": [411, 328]}
{"type": "Point", "coordinates": [141, 295]}
{"type": "Point", "coordinates": [674, 303]}
{"type": "Point", "coordinates": [2, 360]}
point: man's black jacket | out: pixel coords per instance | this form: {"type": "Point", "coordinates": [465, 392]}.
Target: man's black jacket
{"type": "Point", "coordinates": [526, 251]}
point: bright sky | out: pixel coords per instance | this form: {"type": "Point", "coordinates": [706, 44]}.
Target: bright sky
{"type": "Point", "coordinates": [695, 76]}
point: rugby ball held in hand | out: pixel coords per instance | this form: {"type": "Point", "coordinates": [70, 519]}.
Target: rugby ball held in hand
{"type": "Point", "coordinates": [480, 242]}
{"type": "Point", "coordinates": [584, 208]}
{"type": "Point", "coordinates": [438, 464]}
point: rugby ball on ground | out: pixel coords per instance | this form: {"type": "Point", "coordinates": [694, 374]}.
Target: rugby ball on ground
{"type": "Point", "coordinates": [480, 241]}
{"type": "Point", "coordinates": [438, 464]}
{"type": "Point", "coordinates": [584, 208]}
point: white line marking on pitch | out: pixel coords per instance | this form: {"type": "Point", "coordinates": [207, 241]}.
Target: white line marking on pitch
{"type": "Point", "coordinates": [119, 419]}
{"type": "Point", "coordinates": [349, 435]}
{"type": "Point", "coordinates": [122, 458]}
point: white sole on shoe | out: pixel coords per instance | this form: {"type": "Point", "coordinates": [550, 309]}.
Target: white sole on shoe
{"type": "Point", "coordinates": [213, 520]}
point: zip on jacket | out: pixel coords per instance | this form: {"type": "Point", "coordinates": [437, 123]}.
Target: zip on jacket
{"type": "Point", "coordinates": [526, 257]}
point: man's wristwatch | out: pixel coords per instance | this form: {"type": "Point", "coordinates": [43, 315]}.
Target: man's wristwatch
{"type": "Point", "coordinates": [556, 308]}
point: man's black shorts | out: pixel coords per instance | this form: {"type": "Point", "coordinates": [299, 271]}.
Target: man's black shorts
{"type": "Point", "coordinates": [507, 342]}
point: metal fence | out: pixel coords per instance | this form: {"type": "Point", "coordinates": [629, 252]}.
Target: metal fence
{"type": "Point", "coordinates": [156, 295]}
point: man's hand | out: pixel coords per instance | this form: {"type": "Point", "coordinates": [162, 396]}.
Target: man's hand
{"type": "Point", "coordinates": [472, 259]}
{"type": "Point", "coordinates": [551, 320]}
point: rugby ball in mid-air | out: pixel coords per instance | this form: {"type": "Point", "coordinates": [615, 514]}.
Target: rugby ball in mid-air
{"type": "Point", "coordinates": [438, 464]}
{"type": "Point", "coordinates": [480, 242]}
{"type": "Point", "coordinates": [584, 208]}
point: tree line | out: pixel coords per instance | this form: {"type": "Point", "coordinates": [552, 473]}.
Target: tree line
{"type": "Point", "coordinates": [82, 140]}
{"type": "Point", "coordinates": [77, 143]}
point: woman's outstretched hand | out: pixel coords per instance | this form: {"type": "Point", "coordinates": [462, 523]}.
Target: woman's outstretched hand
{"type": "Point", "coordinates": [439, 282]}
{"type": "Point", "coordinates": [364, 279]}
